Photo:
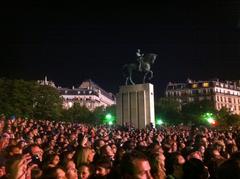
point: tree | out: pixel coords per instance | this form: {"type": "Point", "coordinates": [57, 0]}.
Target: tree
{"type": "Point", "coordinates": [78, 113]}
{"type": "Point", "coordinates": [47, 103]}
{"type": "Point", "coordinates": [100, 112]}
{"type": "Point", "coordinates": [168, 110]}
{"type": "Point", "coordinates": [193, 111]}
{"type": "Point", "coordinates": [98, 115]}
{"type": "Point", "coordinates": [225, 117]}
{"type": "Point", "coordinates": [15, 97]}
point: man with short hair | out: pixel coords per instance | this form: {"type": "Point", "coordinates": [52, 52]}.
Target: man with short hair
{"type": "Point", "coordinates": [135, 165]}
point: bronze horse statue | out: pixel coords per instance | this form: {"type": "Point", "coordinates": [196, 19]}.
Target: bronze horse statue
{"type": "Point", "coordinates": [143, 65]}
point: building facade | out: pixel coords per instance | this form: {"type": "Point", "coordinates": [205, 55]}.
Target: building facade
{"type": "Point", "coordinates": [88, 94]}
{"type": "Point", "coordinates": [222, 93]}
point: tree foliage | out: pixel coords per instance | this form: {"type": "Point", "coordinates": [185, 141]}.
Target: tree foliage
{"type": "Point", "coordinates": [46, 103]}
{"type": "Point", "coordinates": [192, 112]}
{"type": "Point", "coordinates": [78, 113]}
{"type": "Point", "coordinates": [29, 99]}
{"type": "Point", "coordinates": [226, 118]}
{"type": "Point", "coordinates": [168, 110]}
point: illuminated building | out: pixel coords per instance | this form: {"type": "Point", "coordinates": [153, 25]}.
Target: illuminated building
{"type": "Point", "coordinates": [88, 94]}
{"type": "Point", "coordinates": [222, 93]}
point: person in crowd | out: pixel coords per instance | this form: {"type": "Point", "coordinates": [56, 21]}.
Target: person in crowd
{"type": "Point", "coordinates": [2, 170]}
{"type": "Point", "coordinates": [54, 173]}
{"type": "Point", "coordinates": [51, 161]}
{"type": "Point", "coordinates": [229, 169]}
{"type": "Point", "coordinates": [84, 155]}
{"type": "Point", "coordinates": [114, 152]}
{"type": "Point", "coordinates": [174, 166]}
{"type": "Point", "coordinates": [135, 165]}
{"type": "Point", "coordinates": [19, 167]}
{"type": "Point", "coordinates": [85, 171]}
{"type": "Point", "coordinates": [157, 162]}
{"type": "Point", "coordinates": [70, 169]}
{"type": "Point", "coordinates": [194, 169]}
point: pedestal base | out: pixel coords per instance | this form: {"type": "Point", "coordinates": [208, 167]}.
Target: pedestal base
{"type": "Point", "coordinates": [135, 105]}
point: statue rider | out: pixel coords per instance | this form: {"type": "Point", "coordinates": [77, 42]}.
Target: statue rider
{"type": "Point", "coordinates": [139, 59]}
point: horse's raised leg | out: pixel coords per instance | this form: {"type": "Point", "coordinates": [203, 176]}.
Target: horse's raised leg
{"type": "Point", "coordinates": [145, 76]}
{"type": "Point", "coordinates": [131, 81]}
{"type": "Point", "coordinates": [126, 82]}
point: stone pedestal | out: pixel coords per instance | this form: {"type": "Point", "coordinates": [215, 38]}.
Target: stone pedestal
{"type": "Point", "coordinates": [135, 105]}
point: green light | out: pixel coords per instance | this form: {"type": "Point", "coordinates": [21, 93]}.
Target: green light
{"type": "Point", "coordinates": [159, 122]}
{"type": "Point", "coordinates": [108, 117]}
{"type": "Point", "coordinates": [209, 117]}
{"type": "Point", "coordinates": [210, 120]}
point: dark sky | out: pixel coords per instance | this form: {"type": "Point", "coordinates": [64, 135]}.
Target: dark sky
{"type": "Point", "coordinates": [74, 42]}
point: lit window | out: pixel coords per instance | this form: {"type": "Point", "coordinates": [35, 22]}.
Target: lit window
{"type": "Point", "coordinates": [205, 85]}
{"type": "Point", "coordinates": [194, 86]}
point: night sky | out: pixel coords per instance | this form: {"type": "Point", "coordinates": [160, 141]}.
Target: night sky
{"type": "Point", "coordinates": [71, 43]}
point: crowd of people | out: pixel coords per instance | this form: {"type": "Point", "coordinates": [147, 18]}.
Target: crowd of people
{"type": "Point", "coordinates": [63, 150]}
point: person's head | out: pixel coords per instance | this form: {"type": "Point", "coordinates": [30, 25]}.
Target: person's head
{"type": "Point", "coordinates": [36, 150]}
{"type": "Point", "coordinates": [135, 165]}
{"type": "Point", "coordinates": [84, 155]}
{"type": "Point", "coordinates": [174, 164]}
{"type": "Point", "coordinates": [70, 164]}
{"type": "Point", "coordinates": [54, 173]}
{"type": "Point", "coordinates": [2, 170]}
{"type": "Point", "coordinates": [174, 146]}
{"type": "Point", "coordinates": [161, 159]}
{"type": "Point", "coordinates": [99, 143]}
{"type": "Point", "coordinates": [194, 153]}
{"type": "Point", "coordinates": [229, 169]}
{"type": "Point", "coordinates": [70, 169]}
{"type": "Point", "coordinates": [14, 150]}
{"type": "Point", "coordinates": [103, 167]}
{"type": "Point", "coordinates": [231, 148]}
{"type": "Point", "coordinates": [157, 162]}
{"type": "Point", "coordinates": [194, 169]}
{"type": "Point", "coordinates": [114, 148]}
{"type": "Point", "coordinates": [55, 160]}
{"type": "Point", "coordinates": [107, 151]}
{"type": "Point", "coordinates": [84, 171]}
{"type": "Point", "coordinates": [51, 160]}
{"type": "Point", "coordinates": [38, 141]}
{"type": "Point", "coordinates": [21, 144]}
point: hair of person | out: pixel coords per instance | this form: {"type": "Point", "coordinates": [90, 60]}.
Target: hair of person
{"type": "Point", "coordinates": [81, 156]}
{"type": "Point", "coordinates": [127, 165]}
{"type": "Point", "coordinates": [50, 173]}
{"type": "Point", "coordinates": [194, 168]}
{"type": "Point", "coordinates": [171, 160]}
{"type": "Point", "coordinates": [89, 166]}
{"type": "Point", "coordinates": [229, 169]}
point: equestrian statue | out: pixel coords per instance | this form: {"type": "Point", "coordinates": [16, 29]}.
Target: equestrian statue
{"type": "Point", "coordinates": [142, 65]}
